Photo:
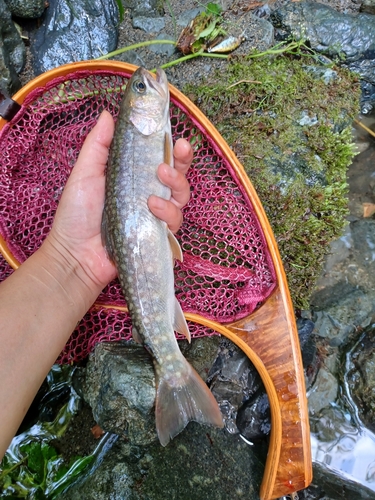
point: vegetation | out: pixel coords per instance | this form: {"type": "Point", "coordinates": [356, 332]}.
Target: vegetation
{"type": "Point", "coordinates": [32, 467]}
{"type": "Point", "coordinates": [288, 119]}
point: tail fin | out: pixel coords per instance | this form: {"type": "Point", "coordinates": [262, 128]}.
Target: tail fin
{"type": "Point", "coordinates": [187, 399]}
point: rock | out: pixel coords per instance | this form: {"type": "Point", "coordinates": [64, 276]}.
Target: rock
{"type": "Point", "coordinates": [361, 376]}
{"type": "Point", "coordinates": [148, 8]}
{"type": "Point", "coordinates": [119, 385]}
{"type": "Point", "coordinates": [200, 463]}
{"type": "Point", "coordinates": [120, 388]}
{"type": "Point", "coordinates": [324, 391]}
{"type": "Point", "coordinates": [163, 48]}
{"type": "Point", "coordinates": [368, 6]}
{"type": "Point", "coordinates": [254, 417]}
{"type": "Point", "coordinates": [149, 24]}
{"type": "Point", "coordinates": [232, 379]}
{"type": "Point", "coordinates": [12, 53]}
{"type": "Point", "coordinates": [187, 16]}
{"type": "Point", "coordinates": [29, 9]}
{"type": "Point", "coordinates": [69, 34]}
{"type": "Point", "coordinates": [347, 38]}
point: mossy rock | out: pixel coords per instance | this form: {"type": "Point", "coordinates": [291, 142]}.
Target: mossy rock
{"type": "Point", "coordinates": [288, 119]}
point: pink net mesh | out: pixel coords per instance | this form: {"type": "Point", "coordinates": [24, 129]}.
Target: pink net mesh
{"type": "Point", "coordinates": [227, 271]}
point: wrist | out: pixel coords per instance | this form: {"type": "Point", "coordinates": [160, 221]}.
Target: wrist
{"type": "Point", "coordinates": [59, 265]}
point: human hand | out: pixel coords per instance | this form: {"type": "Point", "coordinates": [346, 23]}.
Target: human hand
{"type": "Point", "coordinates": [76, 231]}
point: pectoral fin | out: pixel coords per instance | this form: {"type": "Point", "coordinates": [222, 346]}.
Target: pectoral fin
{"type": "Point", "coordinates": [180, 324]}
{"type": "Point", "coordinates": [175, 246]}
{"type": "Point", "coordinates": [136, 336]}
{"type": "Point", "coordinates": [168, 149]}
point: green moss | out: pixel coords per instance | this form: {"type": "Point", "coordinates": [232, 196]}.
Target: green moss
{"type": "Point", "coordinates": [292, 133]}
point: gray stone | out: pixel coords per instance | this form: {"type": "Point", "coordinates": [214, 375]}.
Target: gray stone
{"type": "Point", "coordinates": [349, 39]}
{"type": "Point", "coordinates": [324, 391]}
{"type": "Point", "coordinates": [200, 463]}
{"type": "Point", "coordinates": [361, 376]}
{"type": "Point", "coordinates": [187, 16]}
{"type": "Point", "coordinates": [368, 6]}
{"type": "Point", "coordinates": [149, 8]}
{"type": "Point", "coordinates": [119, 385]}
{"type": "Point", "coordinates": [163, 48]}
{"type": "Point", "coordinates": [75, 32]}
{"type": "Point", "coordinates": [120, 388]}
{"type": "Point", "coordinates": [148, 24]}
{"type": "Point", "coordinates": [29, 9]}
{"type": "Point", "coordinates": [12, 53]}
{"type": "Point", "coordinates": [132, 57]}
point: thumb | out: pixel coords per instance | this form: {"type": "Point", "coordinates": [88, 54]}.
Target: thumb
{"type": "Point", "coordinates": [93, 157]}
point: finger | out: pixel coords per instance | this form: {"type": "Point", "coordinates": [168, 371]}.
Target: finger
{"type": "Point", "coordinates": [166, 211]}
{"type": "Point", "coordinates": [183, 155]}
{"type": "Point", "coordinates": [176, 180]}
{"type": "Point", "coordinates": [94, 153]}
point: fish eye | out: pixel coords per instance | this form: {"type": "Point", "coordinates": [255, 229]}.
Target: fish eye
{"type": "Point", "coordinates": [139, 86]}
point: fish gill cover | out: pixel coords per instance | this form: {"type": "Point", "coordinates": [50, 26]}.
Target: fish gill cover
{"type": "Point", "coordinates": [227, 270]}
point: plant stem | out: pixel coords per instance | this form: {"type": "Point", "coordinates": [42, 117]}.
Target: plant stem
{"type": "Point", "coordinates": [134, 46]}
{"type": "Point", "coordinates": [4, 472]}
{"type": "Point", "coordinates": [192, 56]}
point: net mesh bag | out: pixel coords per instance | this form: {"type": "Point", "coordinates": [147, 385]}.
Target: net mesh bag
{"type": "Point", "coordinates": [227, 271]}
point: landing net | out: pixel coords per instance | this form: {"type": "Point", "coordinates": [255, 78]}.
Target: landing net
{"type": "Point", "coordinates": [227, 270]}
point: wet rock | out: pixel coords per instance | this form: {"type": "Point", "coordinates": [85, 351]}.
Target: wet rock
{"type": "Point", "coordinates": [12, 53]}
{"type": "Point", "coordinates": [368, 6]}
{"type": "Point", "coordinates": [119, 385]}
{"type": "Point", "coordinates": [29, 9]}
{"type": "Point", "coordinates": [336, 34]}
{"type": "Point", "coordinates": [305, 329]}
{"type": "Point", "coordinates": [254, 417]}
{"type": "Point", "coordinates": [75, 33]}
{"type": "Point", "coordinates": [324, 391]}
{"type": "Point", "coordinates": [330, 485]}
{"type": "Point", "coordinates": [361, 376]}
{"type": "Point", "coordinates": [232, 379]}
{"type": "Point", "coordinates": [200, 463]}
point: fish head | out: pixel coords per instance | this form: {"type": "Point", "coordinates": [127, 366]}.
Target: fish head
{"type": "Point", "coordinates": [146, 101]}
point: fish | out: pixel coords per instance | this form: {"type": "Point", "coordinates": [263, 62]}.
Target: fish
{"type": "Point", "coordinates": [143, 250]}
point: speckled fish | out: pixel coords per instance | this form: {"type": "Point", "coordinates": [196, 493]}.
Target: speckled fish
{"type": "Point", "coordinates": [143, 250]}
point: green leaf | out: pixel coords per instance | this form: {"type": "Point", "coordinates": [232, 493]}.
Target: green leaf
{"type": "Point", "coordinates": [75, 470]}
{"type": "Point", "coordinates": [120, 10]}
{"type": "Point", "coordinates": [213, 8]}
{"type": "Point", "coordinates": [35, 459]}
{"type": "Point", "coordinates": [48, 451]}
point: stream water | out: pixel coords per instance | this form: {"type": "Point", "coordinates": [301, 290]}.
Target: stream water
{"type": "Point", "coordinates": [342, 445]}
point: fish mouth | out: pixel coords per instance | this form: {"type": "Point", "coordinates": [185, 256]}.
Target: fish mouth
{"type": "Point", "coordinates": [160, 84]}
